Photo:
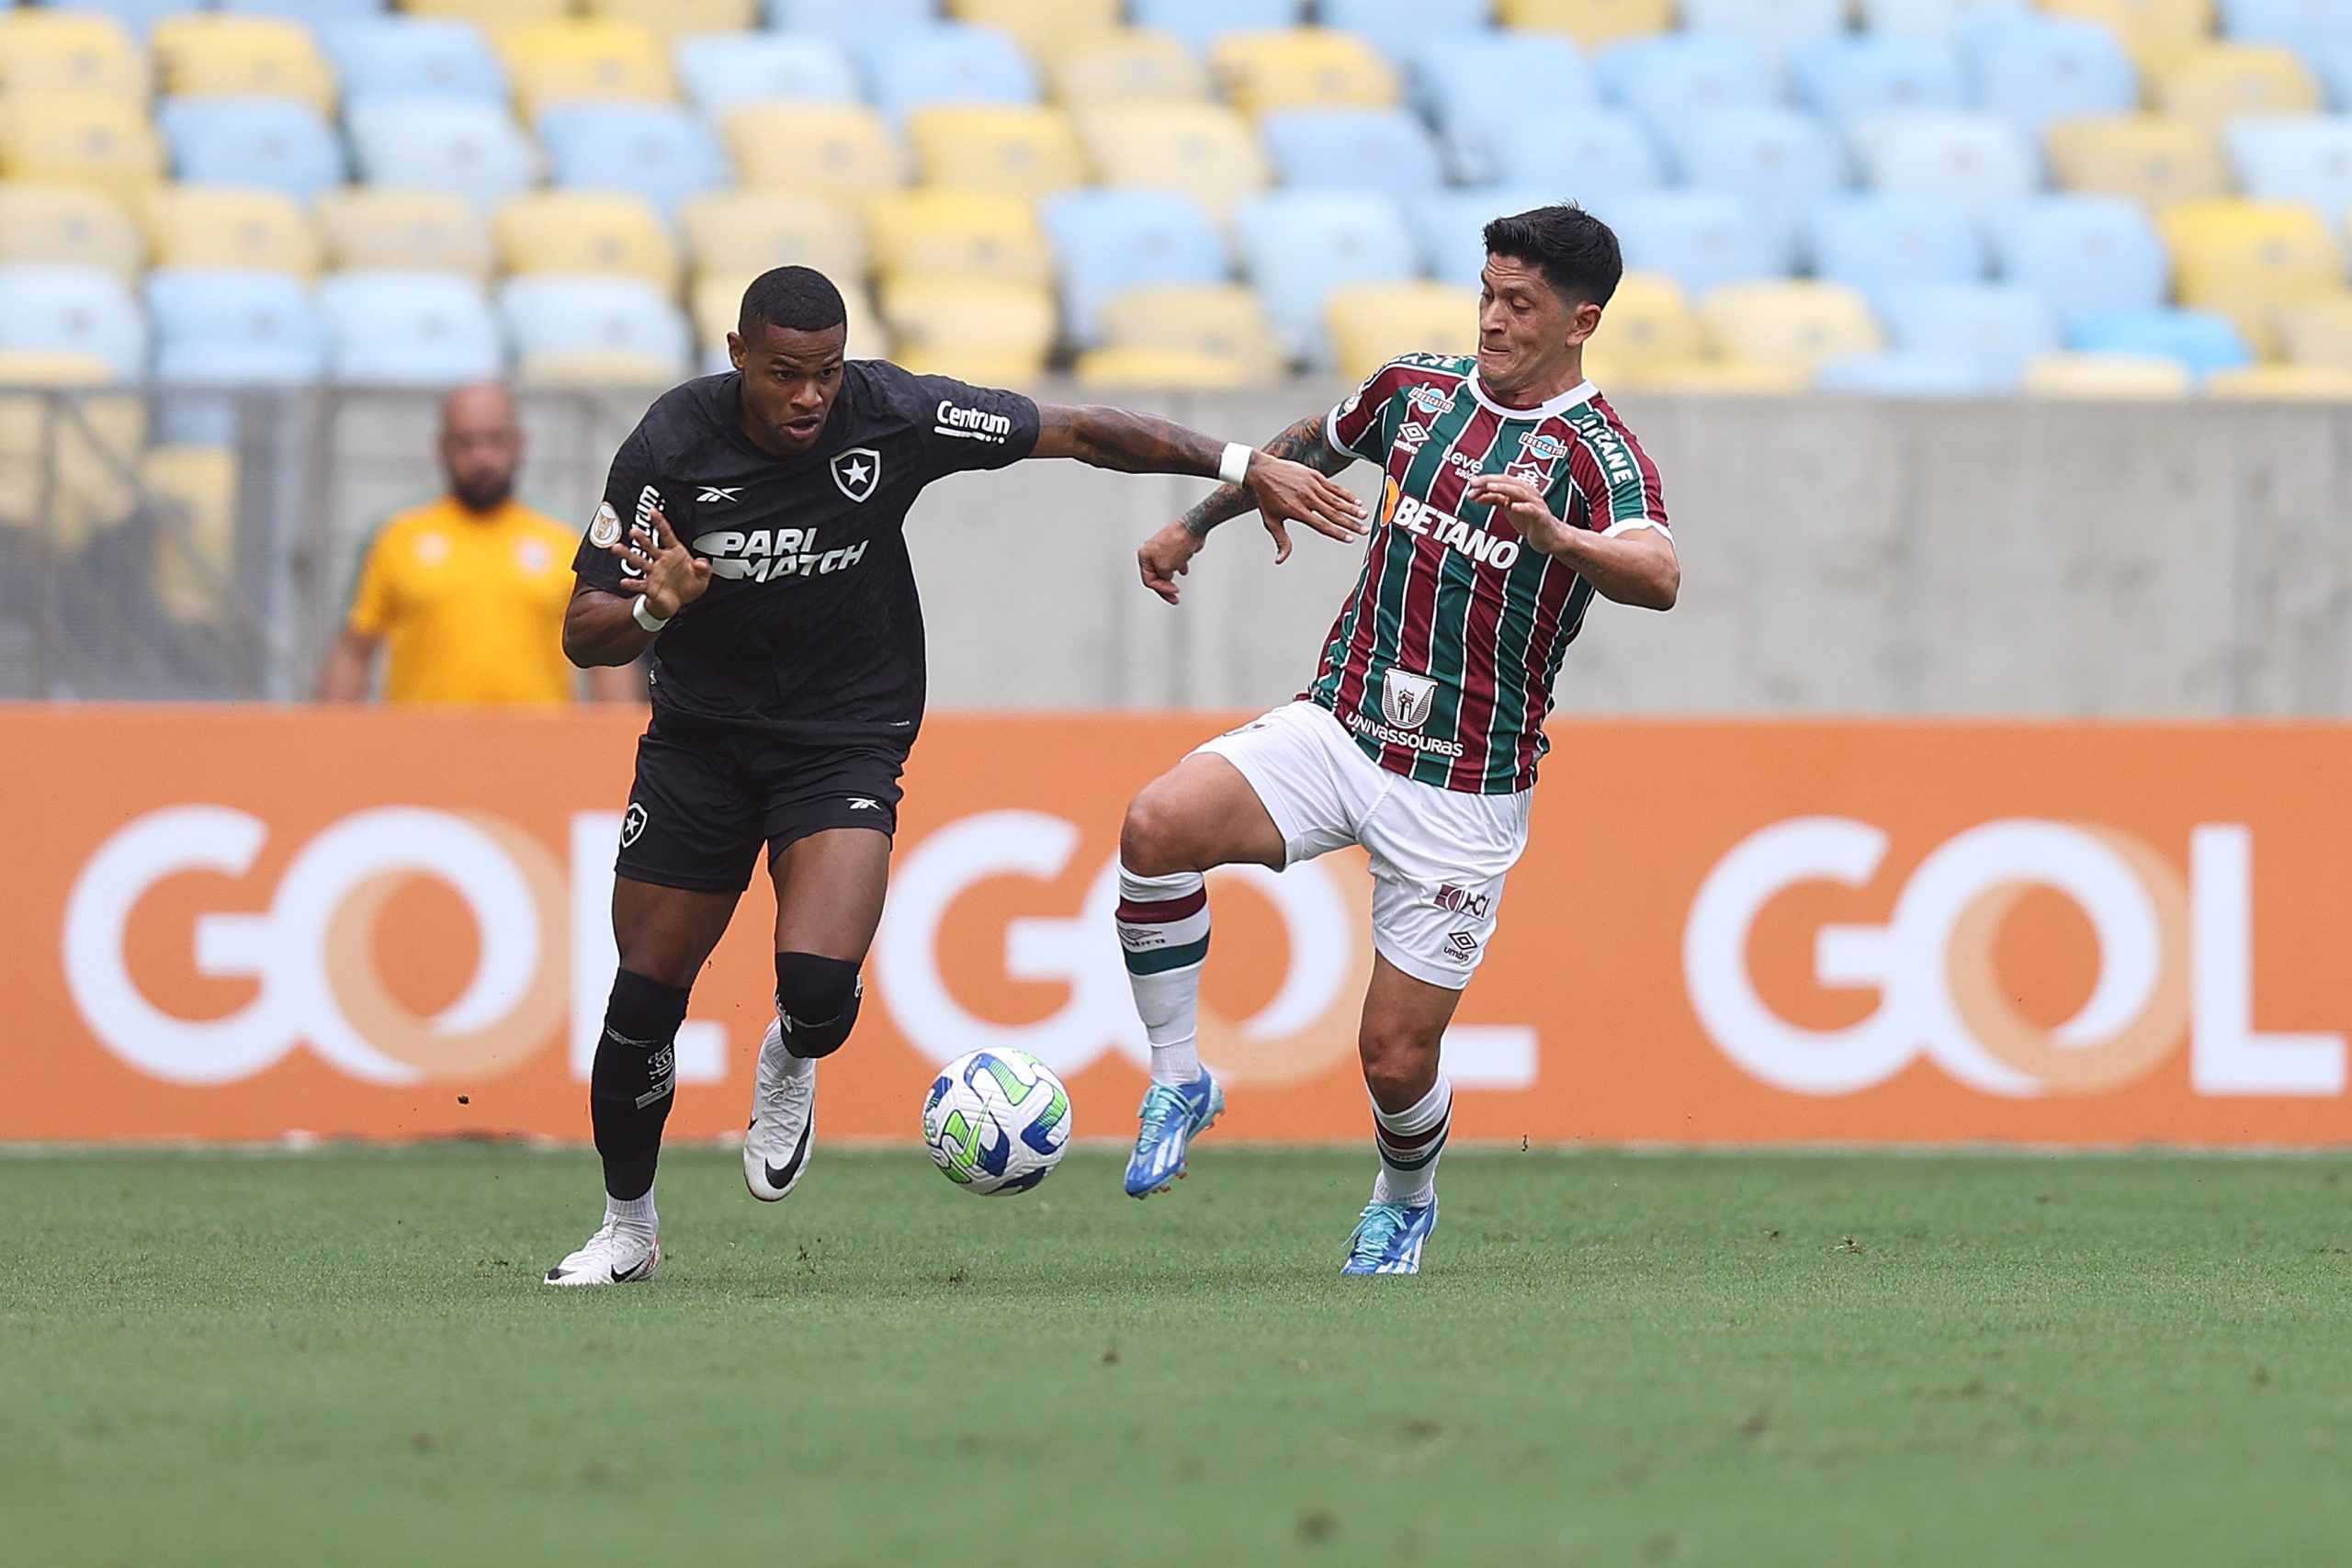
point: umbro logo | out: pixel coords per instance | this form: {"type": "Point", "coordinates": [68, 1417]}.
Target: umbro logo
{"type": "Point", "coordinates": [712, 495]}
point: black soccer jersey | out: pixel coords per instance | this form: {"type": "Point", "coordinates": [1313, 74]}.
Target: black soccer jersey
{"type": "Point", "coordinates": [811, 624]}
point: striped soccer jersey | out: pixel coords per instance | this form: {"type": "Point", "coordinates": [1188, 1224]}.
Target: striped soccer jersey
{"type": "Point", "coordinates": [1441, 663]}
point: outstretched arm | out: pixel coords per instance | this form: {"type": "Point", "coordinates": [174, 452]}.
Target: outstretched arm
{"type": "Point", "coordinates": [1167, 555]}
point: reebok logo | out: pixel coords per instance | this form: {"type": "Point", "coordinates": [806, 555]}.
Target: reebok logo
{"type": "Point", "coordinates": [863, 803]}
{"type": "Point", "coordinates": [712, 495]}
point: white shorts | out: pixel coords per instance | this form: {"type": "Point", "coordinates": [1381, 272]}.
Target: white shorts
{"type": "Point", "coordinates": [1438, 856]}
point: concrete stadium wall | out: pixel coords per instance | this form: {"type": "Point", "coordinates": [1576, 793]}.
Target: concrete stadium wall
{"type": "Point", "coordinates": [1838, 556]}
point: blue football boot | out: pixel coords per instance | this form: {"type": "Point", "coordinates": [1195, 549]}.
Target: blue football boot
{"type": "Point", "coordinates": [1172, 1116]}
{"type": "Point", "coordinates": [1387, 1239]}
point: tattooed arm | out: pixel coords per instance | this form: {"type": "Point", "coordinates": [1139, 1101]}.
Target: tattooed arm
{"type": "Point", "coordinates": [1167, 555]}
{"type": "Point", "coordinates": [1286, 490]}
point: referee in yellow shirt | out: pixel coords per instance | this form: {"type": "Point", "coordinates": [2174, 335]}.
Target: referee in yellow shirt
{"type": "Point", "coordinates": [468, 592]}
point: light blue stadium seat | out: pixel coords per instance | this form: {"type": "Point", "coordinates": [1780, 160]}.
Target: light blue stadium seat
{"type": "Point", "coordinates": [1700, 238]}
{"type": "Point", "coordinates": [1197, 22]}
{"type": "Point", "coordinates": [461, 144]}
{"type": "Point", "coordinates": [2031, 69]}
{"type": "Point", "coordinates": [139, 16]}
{"type": "Point", "coordinates": [2304, 157]}
{"type": "Point", "coordinates": [278, 142]}
{"type": "Point", "coordinates": [720, 71]}
{"type": "Point", "coordinates": [2204, 341]}
{"type": "Point", "coordinates": [2307, 24]}
{"type": "Point", "coordinates": [72, 309]}
{"type": "Point", "coordinates": [2333, 61]}
{"type": "Point", "coordinates": [553, 313]}
{"type": "Point", "coordinates": [910, 67]}
{"type": "Point", "coordinates": [1860, 74]}
{"type": "Point", "coordinates": [1299, 245]}
{"type": "Point", "coordinates": [1977, 160]}
{"type": "Point", "coordinates": [2081, 252]}
{"type": "Point", "coordinates": [1397, 27]}
{"type": "Point", "coordinates": [665, 152]}
{"type": "Point", "coordinates": [314, 12]}
{"type": "Point", "coordinates": [1998, 325]}
{"type": "Point", "coordinates": [1106, 241]}
{"type": "Point", "coordinates": [1588, 155]}
{"type": "Point", "coordinates": [1910, 373]}
{"type": "Point", "coordinates": [1880, 244]}
{"type": "Point", "coordinates": [227, 327]}
{"type": "Point", "coordinates": [848, 18]}
{"type": "Point", "coordinates": [1774, 26]}
{"type": "Point", "coordinates": [1664, 78]}
{"type": "Point", "coordinates": [1451, 226]}
{"type": "Point", "coordinates": [1930, 18]}
{"type": "Point", "coordinates": [1781, 160]}
{"type": "Point", "coordinates": [1474, 87]}
{"type": "Point", "coordinates": [1376, 150]}
{"type": "Point", "coordinates": [443, 57]}
{"type": "Point", "coordinates": [412, 329]}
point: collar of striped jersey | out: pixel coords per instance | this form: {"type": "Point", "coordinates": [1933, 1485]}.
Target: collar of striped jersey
{"type": "Point", "coordinates": [1583, 392]}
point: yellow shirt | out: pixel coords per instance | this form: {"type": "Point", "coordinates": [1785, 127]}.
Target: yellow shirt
{"type": "Point", "coordinates": [472, 606]}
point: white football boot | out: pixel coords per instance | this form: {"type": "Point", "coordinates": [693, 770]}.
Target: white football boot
{"type": "Point", "coordinates": [784, 1120]}
{"type": "Point", "coordinates": [609, 1257]}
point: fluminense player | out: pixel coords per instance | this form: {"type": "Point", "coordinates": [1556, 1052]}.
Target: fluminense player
{"type": "Point", "coordinates": [1512, 493]}
{"type": "Point", "coordinates": [752, 536]}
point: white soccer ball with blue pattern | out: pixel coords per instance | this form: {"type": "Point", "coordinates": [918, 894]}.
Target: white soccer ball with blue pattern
{"type": "Point", "coordinates": [996, 1121]}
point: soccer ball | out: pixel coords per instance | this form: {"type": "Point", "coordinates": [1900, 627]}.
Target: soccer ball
{"type": "Point", "coordinates": [996, 1121]}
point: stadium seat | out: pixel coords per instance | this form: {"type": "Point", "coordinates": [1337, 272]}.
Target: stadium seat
{"type": "Point", "coordinates": [600, 329]}
{"type": "Point", "coordinates": [80, 138]}
{"type": "Point", "coordinates": [920, 67]}
{"type": "Point", "coordinates": [975, 235]}
{"type": "Point", "coordinates": [2304, 26]}
{"type": "Point", "coordinates": [1590, 155]}
{"type": "Point", "coordinates": [491, 13]}
{"type": "Point", "coordinates": [243, 57]}
{"type": "Point", "coordinates": [1782, 162]}
{"type": "Point", "coordinates": [278, 142]}
{"type": "Point", "coordinates": [2303, 158]}
{"type": "Point", "coordinates": [2081, 252]}
{"type": "Point", "coordinates": [664, 152]}
{"type": "Point", "coordinates": [462, 145]}
{"type": "Point", "coordinates": [230, 227]}
{"type": "Point", "coordinates": [2281, 383]}
{"type": "Point", "coordinates": [1015, 149]}
{"type": "Point", "coordinates": [1205, 151]}
{"type": "Point", "coordinates": [1110, 241]}
{"type": "Point", "coordinates": [225, 327]}
{"type": "Point", "coordinates": [721, 72]}
{"type": "Point", "coordinates": [2333, 61]}
{"type": "Point", "coordinates": [1660, 80]}
{"type": "Point", "coordinates": [1788, 323]}
{"type": "Point", "coordinates": [1377, 150]}
{"type": "Point", "coordinates": [2202, 340]}
{"type": "Point", "coordinates": [72, 309]}
{"type": "Point", "coordinates": [68, 225]}
{"type": "Point", "coordinates": [374, 228]}
{"type": "Point", "coordinates": [70, 52]}
{"type": "Point", "coordinates": [1859, 75]}
{"type": "Point", "coordinates": [312, 13]}
{"type": "Point", "coordinates": [1475, 87]}
{"type": "Point", "coordinates": [741, 233]}
{"type": "Point", "coordinates": [2224, 80]}
{"type": "Point", "coordinates": [1371, 323]}
{"type": "Point", "coordinates": [584, 232]}
{"type": "Point", "coordinates": [1931, 18]}
{"type": "Point", "coordinates": [1976, 160]}
{"type": "Point", "coordinates": [1877, 244]}
{"type": "Point", "coordinates": [1163, 369]}
{"type": "Point", "coordinates": [833, 18]}
{"type": "Point", "coordinates": [435, 57]}
{"type": "Point", "coordinates": [2032, 70]}
{"type": "Point", "coordinates": [2000, 326]}
{"type": "Point", "coordinates": [2149, 158]}
{"type": "Point", "coordinates": [2318, 331]}
{"type": "Point", "coordinates": [1594, 24]}
{"type": "Point", "coordinates": [1912, 373]}
{"type": "Point", "coordinates": [1726, 379]}
{"type": "Point", "coordinates": [1127, 67]}
{"type": "Point", "coordinates": [841, 151]}
{"type": "Point", "coordinates": [1198, 22]}
{"type": "Point", "coordinates": [1774, 26]}
{"type": "Point", "coordinates": [1297, 246]}
{"type": "Point", "coordinates": [1042, 26]}
{"type": "Point", "coordinates": [580, 57]}
{"type": "Point", "coordinates": [1648, 325]}
{"type": "Point", "coordinates": [2246, 259]}
{"type": "Point", "coordinates": [1303, 68]}
{"type": "Point", "coordinates": [988, 332]}
{"type": "Point", "coordinates": [1450, 226]}
{"type": "Point", "coordinates": [680, 18]}
{"type": "Point", "coordinates": [1701, 239]}
{"type": "Point", "coordinates": [1396, 27]}
{"type": "Point", "coordinates": [1228, 319]}
{"type": "Point", "coordinates": [716, 307]}
{"type": "Point", "coordinates": [2107, 377]}
{"type": "Point", "coordinates": [2148, 29]}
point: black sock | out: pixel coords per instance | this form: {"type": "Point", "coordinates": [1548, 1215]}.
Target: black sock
{"type": "Point", "coordinates": [630, 1087]}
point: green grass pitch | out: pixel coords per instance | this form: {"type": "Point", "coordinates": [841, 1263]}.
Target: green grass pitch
{"type": "Point", "coordinates": [346, 1357]}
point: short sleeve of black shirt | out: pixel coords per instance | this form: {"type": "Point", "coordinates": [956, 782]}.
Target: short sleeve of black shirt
{"type": "Point", "coordinates": [631, 493]}
{"type": "Point", "coordinates": [964, 427]}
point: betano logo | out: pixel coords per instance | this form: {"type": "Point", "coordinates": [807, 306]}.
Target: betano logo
{"type": "Point", "coordinates": [2174, 955]}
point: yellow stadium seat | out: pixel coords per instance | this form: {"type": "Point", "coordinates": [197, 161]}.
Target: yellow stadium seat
{"type": "Point", "coordinates": [404, 231]}
{"type": "Point", "coordinates": [1648, 323]}
{"type": "Point", "coordinates": [231, 226]}
{"type": "Point", "coordinates": [1728, 378]}
{"type": "Point", "coordinates": [1178, 369]}
{"type": "Point", "coordinates": [1593, 23]}
{"type": "Point", "coordinates": [2248, 258]}
{"type": "Point", "coordinates": [1789, 322]}
{"type": "Point", "coordinates": [584, 58]}
{"type": "Point", "coordinates": [842, 151]}
{"type": "Point", "coordinates": [980, 331]}
{"type": "Point", "coordinates": [2149, 158]}
{"type": "Point", "coordinates": [1371, 323]}
{"type": "Point", "coordinates": [2105, 377]}
{"type": "Point", "coordinates": [977, 235]}
{"type": "Point", "coordinates": [1042, 26]}
{"type": "Point", "coordinates": [77, 51]}
{"type": "Point", "coordinates": [82, 138]}
{"type": "Point", "coordinates": [596, 367]}
{"type": "Point", "coordinates": [676, 19]}
{"type": "Point", "coordinates": [2222, 80]}
{"type": "Point", "coordinates": [2318, 331]}
{"type": "Point", "coordinates": [1205, 151]}
{"type": "Point", "coordinates": [1126, 67]}
{"type": "Point", "coordinates": [717, 305]}
{"type": "Point", "coordinates": [197, 545]}
{"type": "Point", "coordinates": [2281, 383]}
{"type": "Point", "coordinates": [1222, 319]}
{"type": "Point", "coordinates": [587, 232]}
{"type": "Point", "coordinates": [743, 233]}
{"type": "Point", "coordinates": [72, 225]}
{"type": "Point", "coordinates": [79, 456]}
{"type": "Point", "coordinates": [1303, 68]}
{"type": "Point", "coordinates": [1009, 148]}
{"type": "Point", "coordinates": [2149, 29]}
{"type": "Point", "coordinates": [491, 13]}
{"type": "Point", "coordinates": [240, 56]}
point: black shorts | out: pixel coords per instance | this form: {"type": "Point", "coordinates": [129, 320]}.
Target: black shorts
{"type": "Point", "coordinates": [707, 796]}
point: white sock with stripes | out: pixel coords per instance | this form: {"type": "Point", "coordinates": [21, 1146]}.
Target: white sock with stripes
{"type": "Point", "coordinates": [1164, 934]}
{"type": "Point", "coordinates": [1409, 1142]}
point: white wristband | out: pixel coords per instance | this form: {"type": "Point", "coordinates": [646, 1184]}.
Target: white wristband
{"type": "Point", "coordinates": [645, 617]}
{"type": "Point", "coordinates": [1234, 465]}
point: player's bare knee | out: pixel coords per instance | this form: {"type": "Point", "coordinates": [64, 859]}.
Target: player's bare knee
{"type": "Point", "coordinates": [1398, 1064]}
{"type": "Point", "coordinates": [1153, 839]}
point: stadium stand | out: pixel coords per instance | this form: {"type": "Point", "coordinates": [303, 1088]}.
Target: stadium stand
{"type": "Point", "coordinates": [1108, 240]}
{"type": "Point", "coordinates": [1298, 247]}
{"type": "Point", "coordinates": [1376, 150]}
{"type": "Point", "coordinates": [367, 226]}
{"type": "Point", "coordinates": [1471, 86]}
{"type": "Point", "coordinates": [417, 329]}
{"type": "Point", "coordinates": [1371, 323]}
{"type": "Point", "coordinates": [1699, 239]}
{"type": "Point", "coordinates": [227, 226]}
{"type": "Point", "coordinates": [279, 142]}
{"type": "Point", "coordinates": [69, 225]}
{"type": "Point", "coordinates": [722, 71]}
{"type": "Point", "coordinates": [226, 326]}
{"type": "Point", "coordinates": [1127, 67]}
{"type": "Point", "coordinates": [70, 52]}
{"type": "Point", "coordinates": [432, 57]}
{"type": "Point", "coordinates": [663, 153]}
{"type": "Point", "coordinates": [461, 145]}
{"type": "Point", "coordinates": [841, 151]}
{"type": "Point", "coordinates": [84, 310]}
{"type": "Point", "coordinates": [945, 64]}
{"type": "Point", "coordinates": [579, 330]}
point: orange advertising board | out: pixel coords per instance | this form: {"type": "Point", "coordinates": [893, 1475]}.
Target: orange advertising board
{"type": "Point", "coordinates": [238, 924]}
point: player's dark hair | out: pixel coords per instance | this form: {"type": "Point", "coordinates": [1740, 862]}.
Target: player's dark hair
{"type": "Point", "coordinates": [1575, 251]}
{"type": "Point", "coordinates": [797, 298]}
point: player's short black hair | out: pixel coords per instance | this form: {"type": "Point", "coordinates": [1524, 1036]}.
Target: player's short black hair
{"type": "Point", "coordinates": [1575, 251]}
{"type": "Point", "coordinates": [797, 298]}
